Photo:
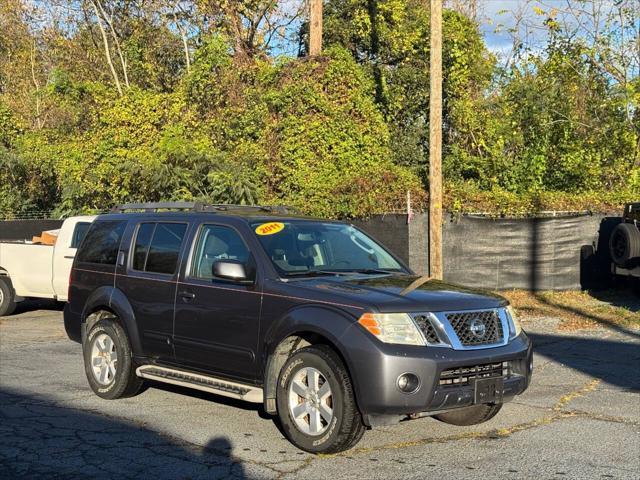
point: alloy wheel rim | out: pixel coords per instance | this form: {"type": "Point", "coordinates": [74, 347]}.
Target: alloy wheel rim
{"type": "Point", "coordinates": [104, 359]}
{"type": "Point", "coordinates": [310, 401]}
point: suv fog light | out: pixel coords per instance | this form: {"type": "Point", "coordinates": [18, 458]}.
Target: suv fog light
{"type": "Point", "coordinates": [408, 383]}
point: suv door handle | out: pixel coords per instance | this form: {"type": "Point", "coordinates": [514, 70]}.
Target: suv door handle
{"type": "Point", "coordinates": [187, 295]}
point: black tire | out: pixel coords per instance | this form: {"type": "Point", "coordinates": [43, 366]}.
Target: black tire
{"type": "Point", "coordinates": [587, 251]}
{"type": "Point", "coordinates": [7, 297]}
{"type": "Point", "coordinates": [125, 382]}
{"type": "Point", "coordinates": [345, 428]}
{"type": "Point", "coordinates": [624, 243]}
{"type": "Point", "coordinates": [470, 415]}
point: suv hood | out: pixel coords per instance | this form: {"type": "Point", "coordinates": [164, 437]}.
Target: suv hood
{"type": "Point", "coordinates": [383, 293]}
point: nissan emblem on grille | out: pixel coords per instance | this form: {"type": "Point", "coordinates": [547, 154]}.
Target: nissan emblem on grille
{"type": "Point", "coordinates": [477, 327]}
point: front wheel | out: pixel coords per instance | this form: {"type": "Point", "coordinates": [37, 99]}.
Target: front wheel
{"type": "Point", "coordinates": [7, 297]}
{"type": "Point", "coordinates": [316, 402]}
{"type": "Point", "coordinates": [470, 415]}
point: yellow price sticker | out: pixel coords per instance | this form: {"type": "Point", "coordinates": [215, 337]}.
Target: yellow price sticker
{"type": "Point", "coordinates": [269, 228]}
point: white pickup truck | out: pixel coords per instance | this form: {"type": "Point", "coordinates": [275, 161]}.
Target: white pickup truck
{"type": "Point", "coordinates": [42, 271]}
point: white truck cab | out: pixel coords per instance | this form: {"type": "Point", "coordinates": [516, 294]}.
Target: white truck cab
{"type": "Point", "coordinates": [40, 271]}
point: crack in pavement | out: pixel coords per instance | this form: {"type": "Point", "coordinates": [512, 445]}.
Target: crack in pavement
{"type": "Point", "coordinates": [558, 415]}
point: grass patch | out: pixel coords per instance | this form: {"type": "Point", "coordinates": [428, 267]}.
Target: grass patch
{"type": "Point", "coordinates": [578, 310]}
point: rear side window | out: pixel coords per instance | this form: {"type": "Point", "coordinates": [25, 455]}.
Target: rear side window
{"type": "Point", "coordinates": [102, 242]}
{"type": "Point", "coordinates": [157, 247]}
{"type": "Point", "coordinates": [141, 247]}
{"type": "Point", "coordinates": [79, 232]}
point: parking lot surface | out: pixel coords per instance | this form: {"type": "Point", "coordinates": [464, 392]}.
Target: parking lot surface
{"type": "Point", "coordinates": [579, 419]}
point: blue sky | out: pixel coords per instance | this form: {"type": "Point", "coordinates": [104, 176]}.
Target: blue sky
{"type": "Point", "coordinates": [500, 15]}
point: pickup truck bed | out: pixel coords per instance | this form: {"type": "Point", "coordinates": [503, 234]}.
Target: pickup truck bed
{"type": "Point", "coordinates": [41, 271]}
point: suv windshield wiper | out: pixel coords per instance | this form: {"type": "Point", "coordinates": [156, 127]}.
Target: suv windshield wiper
{"type": "Point", "coordinates": [362, 271]}
{"type": "Point", "coordinates": [368, 271]}
{"type": "Point", "coordinates": [315, 272]}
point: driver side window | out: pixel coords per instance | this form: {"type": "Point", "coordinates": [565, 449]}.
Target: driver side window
{"type": "Point", "coordinates": [216, 243]}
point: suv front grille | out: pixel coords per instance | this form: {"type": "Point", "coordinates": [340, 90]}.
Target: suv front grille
{"type": "Point", "coordinates": [464, 375]}
{"type": "Point", "coordinates": [427, 329]}
{"type": "Point", "coordinates": [476, 328]}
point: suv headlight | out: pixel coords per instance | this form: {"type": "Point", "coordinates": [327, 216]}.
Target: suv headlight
{"type": "Point", "coordinates": [514, 324]}
{"type": "Point", "coordinates": [392, 328]}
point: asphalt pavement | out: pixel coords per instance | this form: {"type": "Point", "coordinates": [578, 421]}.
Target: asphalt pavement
{"type": "Point", "coordinates": [580, 419]}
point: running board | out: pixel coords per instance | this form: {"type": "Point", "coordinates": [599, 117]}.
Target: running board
{"type": "Point", "coordinates": [201, 382]}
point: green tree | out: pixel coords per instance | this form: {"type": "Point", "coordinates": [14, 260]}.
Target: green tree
{"type": "Point", "coordinates": [391, 39]}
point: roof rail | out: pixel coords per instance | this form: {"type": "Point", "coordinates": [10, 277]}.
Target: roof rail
{"type": "Point", "coordinates": [155, 206]}
{"type": "Point", "coordinates": [217, 207]}
{"type": "Point", "coordinates": [198, 207]}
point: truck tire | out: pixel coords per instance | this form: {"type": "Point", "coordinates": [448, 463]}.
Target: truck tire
{"type": "Point", "coordinates": [316, 402]}
{"type": "Point", "coordinates": [7, 297]}
{"type": "Point", "coordinates": [470, 415]}
{"type": "Point", "coordinates": [108, 361]}
{"type": "Point", "coordinates": [587, 252]}
{"type": "Point", "coordinates": [624, 244]}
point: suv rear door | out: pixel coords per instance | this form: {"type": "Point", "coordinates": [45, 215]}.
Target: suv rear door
{"type": "Point", "coordinates": [95, 263]}
{"type": "Point", "coordinates": [148, 279]}
{"type": "Point", "coordinates": [217, 320]}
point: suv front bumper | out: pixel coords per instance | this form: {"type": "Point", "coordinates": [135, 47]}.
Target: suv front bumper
{"type": "Point", "coordinates": [447, 377]}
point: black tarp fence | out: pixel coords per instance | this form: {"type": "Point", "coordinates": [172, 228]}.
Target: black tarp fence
{"type": "Point", "coordinates": [26, 229]}
{"type": "Point", "coordinates": [529, 253]}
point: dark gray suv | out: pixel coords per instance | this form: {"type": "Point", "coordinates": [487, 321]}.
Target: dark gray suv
{"type": "Point", "coordinates": [314, 319]}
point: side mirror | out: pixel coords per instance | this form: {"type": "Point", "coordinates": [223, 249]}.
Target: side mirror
{"type": "Point", "coordinates": [230, 270]}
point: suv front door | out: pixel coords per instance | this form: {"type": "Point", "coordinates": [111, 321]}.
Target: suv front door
{"type": "Point", "coordinates": [216, 320]}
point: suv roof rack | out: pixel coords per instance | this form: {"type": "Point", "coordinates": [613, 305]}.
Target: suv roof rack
{"type": "Point", "coordinates": [197, 207]}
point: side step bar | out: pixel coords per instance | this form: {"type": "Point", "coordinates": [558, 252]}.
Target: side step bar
{"type": "Point", "coordinates": [198, 381]}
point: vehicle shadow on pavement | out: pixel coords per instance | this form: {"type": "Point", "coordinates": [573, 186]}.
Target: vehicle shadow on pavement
{"type": "Point", "coordinates": [232, 402]}
{"type": "Point", "coordinates": [34, 304]}
{"type": "Point", "coordinates": [42, 439]}
{"type": "Point", "coordinates": [612, 361]}
{"type": "Point", "coordinates": [212, 397]}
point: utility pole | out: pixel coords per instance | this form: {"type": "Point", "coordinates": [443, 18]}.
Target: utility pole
{"type": "Point", "coordinates": [435, 142]}
{"type": "Point", "coordinates": [315, 27]}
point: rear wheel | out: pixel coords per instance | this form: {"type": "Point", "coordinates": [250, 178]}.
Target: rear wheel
{"type": "Point", "coordinates": [108, 361]}
{"type": "Point", "coordinates": [7, 297]}
{"type": "Point", "coordinates": [470, 415]}
{"type": "Point", "coordinates": [316, 402]}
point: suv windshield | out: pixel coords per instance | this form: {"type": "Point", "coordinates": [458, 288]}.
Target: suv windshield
{"type": "Point", "coordinates": [299, 247]}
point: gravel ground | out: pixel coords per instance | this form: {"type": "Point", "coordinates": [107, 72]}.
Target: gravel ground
{"type": "Point", "coordinates": [579, 419]}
